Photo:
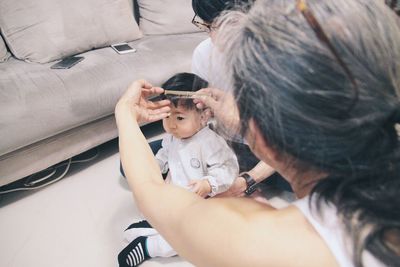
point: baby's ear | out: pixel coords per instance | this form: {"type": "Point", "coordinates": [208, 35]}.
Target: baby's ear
{"type": "Point", "coordinates": [206, 115]}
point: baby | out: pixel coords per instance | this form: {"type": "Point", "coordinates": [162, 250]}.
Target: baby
{"type": "Point", "coordinates": [195, 157]}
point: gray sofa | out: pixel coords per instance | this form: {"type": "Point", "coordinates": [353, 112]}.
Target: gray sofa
{"type": "Point", "coordinates": [48, 115]}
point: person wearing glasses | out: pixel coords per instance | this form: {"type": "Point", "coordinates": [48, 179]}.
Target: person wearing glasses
{"type": "Point", "coordinates": [207, 63]}
{"type": "Point", "coordinates": [317, 86]}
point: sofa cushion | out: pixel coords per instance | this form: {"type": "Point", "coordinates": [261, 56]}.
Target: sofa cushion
{"type": "Point", "coordinates": [4, 54]}
{"type": "Point", "coordinates": [37, 102]}
{"type": "Point", "coordinates": [46, 30]}
{"type": "Point", "coordinates": [166, 16]}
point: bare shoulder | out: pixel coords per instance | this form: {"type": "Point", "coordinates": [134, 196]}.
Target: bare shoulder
{"type": "Point", "coordinates": [270, 237]}
{"type": "Point", "coordinates": [288, 238]}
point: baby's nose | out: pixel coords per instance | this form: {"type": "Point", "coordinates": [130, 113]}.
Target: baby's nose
{"type": "Point", "coordinates": [172, 125]}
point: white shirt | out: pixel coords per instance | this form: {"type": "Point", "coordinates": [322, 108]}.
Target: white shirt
{"type": "Point", "coordinates": [208, 64]}
{"type": "Point", "coordinates": [331, 229]}
{"type": "Point", "coordinates": [205, 155]}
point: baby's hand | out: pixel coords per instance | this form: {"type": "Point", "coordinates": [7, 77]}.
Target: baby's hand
{"type": "Point", "coordinates": [200, 187]}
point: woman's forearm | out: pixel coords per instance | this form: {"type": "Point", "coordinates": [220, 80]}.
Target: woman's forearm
{"type": "Point", "coordinates": [137, 158]}
{"type": "Point", "coordinates": [261, 171]}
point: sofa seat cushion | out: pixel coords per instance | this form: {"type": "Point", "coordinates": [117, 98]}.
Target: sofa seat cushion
{"type": "Point", "coordinates": [46, 30]}
{"type": "Point", "coordinates": [37, 102]}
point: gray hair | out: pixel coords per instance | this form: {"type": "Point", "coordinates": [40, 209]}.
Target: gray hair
{"type": "Point", "coordinates": [292, 85]}
{"type": "Point", "coordinates": [284, 28]}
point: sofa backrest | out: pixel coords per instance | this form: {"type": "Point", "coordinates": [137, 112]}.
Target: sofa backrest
{"type": "Point", "coordinates": [166, 16]}
{"type": "Point", "coordinates": [46, 30]}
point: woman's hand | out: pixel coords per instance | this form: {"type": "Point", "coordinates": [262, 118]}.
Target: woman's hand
{"type": "Point", "coordinates": [236, 190]}
{"type": "Point", "coordinates": [222, 104]}
{"type": "Point", "coordinates": [200, 187]}
{"type": "Point", "coordinates": [135, 100]}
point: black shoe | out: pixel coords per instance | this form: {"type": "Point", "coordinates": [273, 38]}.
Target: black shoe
{"type": "Point", "coordinates": [142, 228]}
{"type": "Point", "coordinates": [134, 254]}
{"type": "Point", "coordinates": [141, 224]}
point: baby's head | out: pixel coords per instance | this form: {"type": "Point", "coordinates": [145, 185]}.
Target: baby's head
{"type": "Point", "coordinates": [185, 119]}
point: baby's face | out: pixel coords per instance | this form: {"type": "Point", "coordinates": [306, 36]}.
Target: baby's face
{"type": "Point", "coordinates": [183, 123]}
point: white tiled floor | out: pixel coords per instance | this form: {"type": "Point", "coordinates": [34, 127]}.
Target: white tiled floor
{"type": "Point", "coordinates": [75, 222]}
{"type": "Point", "coordinates": [78, 221]}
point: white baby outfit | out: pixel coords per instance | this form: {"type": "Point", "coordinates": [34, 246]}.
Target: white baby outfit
{"type": "Point", "coordinates": [205, 155]}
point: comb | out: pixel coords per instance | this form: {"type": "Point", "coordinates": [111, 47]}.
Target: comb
{"type": "Point", "coordinates": [182, 94]}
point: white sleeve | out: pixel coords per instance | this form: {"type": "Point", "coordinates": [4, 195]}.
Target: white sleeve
{"type": "Point", "coordinates": [201, 60]}
{"type": "Point", "coordinates": [222, 167]}
{"type": "Point", "coordinates": [162, 154]}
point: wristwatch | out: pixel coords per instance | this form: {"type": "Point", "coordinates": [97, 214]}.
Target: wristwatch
{"type": "Point", "coordinates": [250, 182]}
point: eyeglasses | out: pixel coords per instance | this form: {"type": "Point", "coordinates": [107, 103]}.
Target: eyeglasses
{"type": "Point", "coordinates": [201, 25]}
{"type": "Point", "coordinates": [319, 32]}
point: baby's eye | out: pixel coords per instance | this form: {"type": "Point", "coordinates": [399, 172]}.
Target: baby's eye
{"type": "Point", "coordinates": [179, 118]}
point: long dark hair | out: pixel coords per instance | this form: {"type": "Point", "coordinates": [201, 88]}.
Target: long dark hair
{"type": "Point", "coordinates": [292, 85]}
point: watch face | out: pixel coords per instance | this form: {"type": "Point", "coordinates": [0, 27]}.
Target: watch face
{"type": "Point", "coordinates": [251, 184]}
{"type": "Point", "coordinates": [250, 190]}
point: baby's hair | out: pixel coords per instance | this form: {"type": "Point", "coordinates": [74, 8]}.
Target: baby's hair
{"type": "Point", "coordinates": [184, 82]}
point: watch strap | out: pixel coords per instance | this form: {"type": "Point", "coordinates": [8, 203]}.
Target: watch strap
{"type": "Point", "coordinates": [250, 182]}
